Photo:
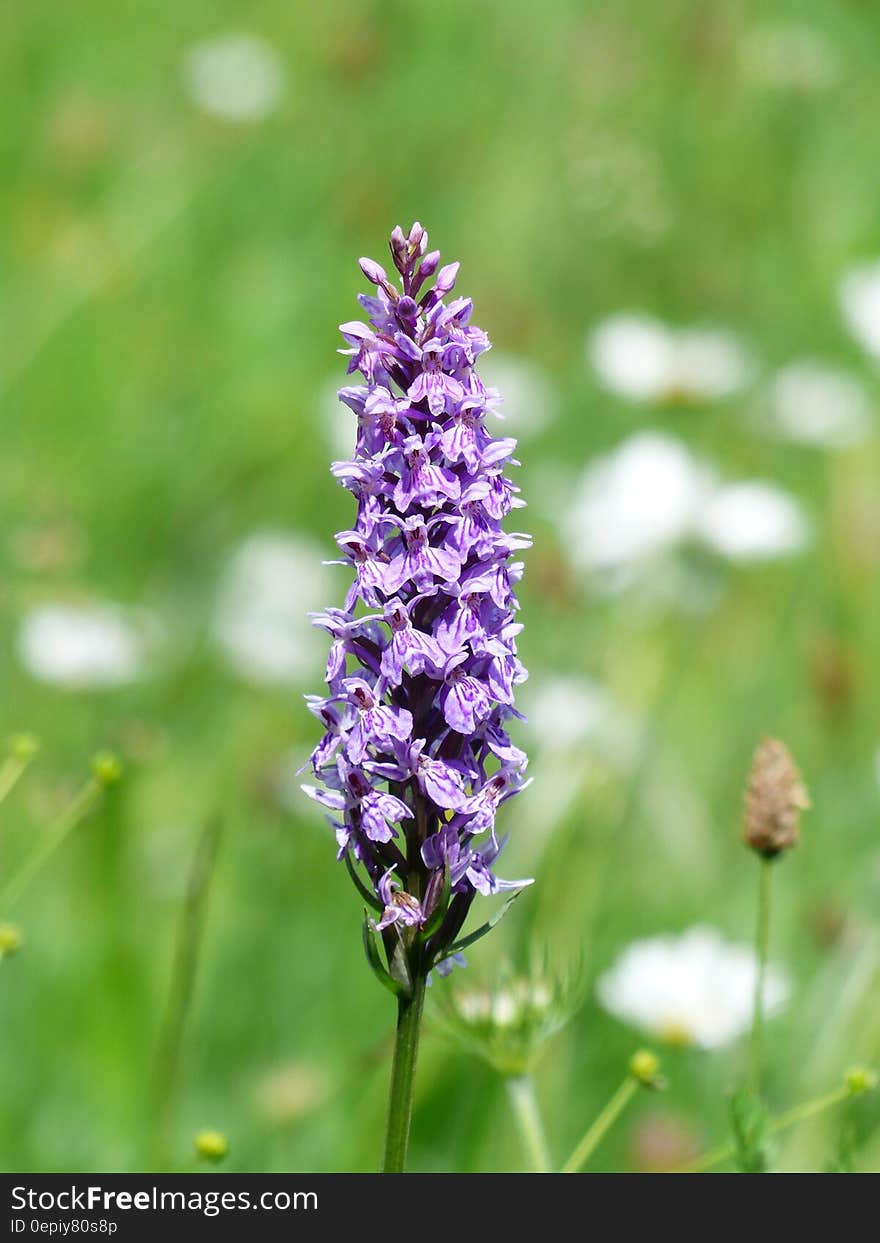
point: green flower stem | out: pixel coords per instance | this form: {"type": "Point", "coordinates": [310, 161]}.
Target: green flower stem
{"type": "Point", "coordinates": [521, 1090]}
{"type": "Point", "coordinates": [79, 807]}
{"type": "Point", "coordinates": [792, 1116]}
{"type": "Point", "coordinates": [185, 963]}
{"type": "Point", "coordinates": [602, 1125]}
{"type": "Point", "coordinates": [12, 768]}
{"type": "Point", "coordinates": [809, 1108]}
{"type": "Point", "coordinates": [762, 938]}
{"type": "Point", "coordinates": [403, 1070]}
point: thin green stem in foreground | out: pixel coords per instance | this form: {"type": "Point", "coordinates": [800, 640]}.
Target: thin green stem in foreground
{"type": "Point", "coordinates": [788, 1119]}
{"type": "Point", "coordinates": [601, 1126]}
{"type": "Point", "coordinates": [403, 1069]}
{"type": "Point", "coordinates": [12, 769]}
{"type": "Point", "coordinates": [762, 940]}
{"type": "Point", "coordinates": [521, 1090]}
{"type": "Point", "coordinates": [183, 974]}
{"type": "Point", "coordinates": [70, 818]}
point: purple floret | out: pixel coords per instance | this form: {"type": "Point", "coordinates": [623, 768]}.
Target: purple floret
{"type": "Point", "coordinates": [416, 759]}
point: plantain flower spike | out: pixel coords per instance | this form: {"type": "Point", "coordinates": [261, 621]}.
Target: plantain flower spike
{"type": "Point", "coordinates": [775, 797]}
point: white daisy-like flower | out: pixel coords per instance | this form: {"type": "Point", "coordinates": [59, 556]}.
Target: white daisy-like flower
{"type": "Point", "coordinates": [694, 988]}
{"type": "Point", "coordinates": [272, 580]}
{"type": "Point", "coordinates": [236, 77]}
{"type": "Point", "coordinates": [753, 521]}
{"type": "Point", "coordinates": [644, 360]}
{"type": "Point", "coordinates": [815, 404]}
{"type": "Point", "coordinates": [91, 646]}
{"type": "Point", "coordinates": [859, 297]}
{"type": "Point", "coordinates": [528, 399]}
{"type": "Point", "coordinates": [635, 502]}
{"type": "Point", "coordinates": [640, 502]}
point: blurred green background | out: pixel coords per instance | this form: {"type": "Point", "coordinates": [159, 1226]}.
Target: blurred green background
{"type": "Point", "coordinates": [180, 230]}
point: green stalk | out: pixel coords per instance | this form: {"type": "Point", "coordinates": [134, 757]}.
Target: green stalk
{"type": "Point", "coordinates": [602, 1125]}
{"type": "Point", "coordinates": [403, 1069]}
{"type": "Point", "coordinates": [82, 803]}
{"type": "Point", "coordinates": [762, 938]}
{"type": "Point", "coordinates": [12, 769]}
{"type": "Point", "coordinates": [521, 1090]}
{"type": "Point", "coordinates": [183, 974]}
{"type": "Point", "coordinates": [799, 1113]}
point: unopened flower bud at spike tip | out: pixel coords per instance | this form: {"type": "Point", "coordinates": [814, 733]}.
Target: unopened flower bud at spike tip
{"type": "Point", "coordinates": [10, 940]}
{"type": "Point", "coordinates": [644, 1066]}
{"type": "Point", "coordinates": [860, 1079]}
{"type": "Point", "coordinates": [373, 271]}
{"type": "Point", "coordinates": [428, 266]}
{"type": "Point", "coordinates": [775, 797]}
{"type": "Point", "coordinates": [447, 277]}
{"type": "Point", "coordinates": [23, 747]}
{"type": "Point", "coordinates": [212, 1145]}
{"type": "Point", "coordinates": [106, 768]}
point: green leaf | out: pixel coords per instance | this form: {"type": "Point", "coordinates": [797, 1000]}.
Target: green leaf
{"type": "Point", "coordinates": [368, 897]}
{"type": "Point", "coordinates": [752, 1133]}
{"type": "Point", "coordinates": [843, 1160]}
{"type": "Point", "coordinates": [399, 965]}
{"type": "Point", "coordinates": [480, 932]}
{"type": "Point", "coordinates": [374, 957]}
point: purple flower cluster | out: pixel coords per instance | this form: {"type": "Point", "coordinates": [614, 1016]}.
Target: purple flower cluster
{"type": "Point", "coordinates": [416, 759]}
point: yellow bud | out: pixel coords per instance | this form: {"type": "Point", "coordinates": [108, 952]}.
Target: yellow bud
{"type": "Point", "coordinates": [860, 1079]}
{"type": "Point", "coordinates": [675, 1034]}
{"type": "Point", "coordinates": [212, 1145]}
{"type": "Point", "coordinates": [23, 747]}
{"type": "Point", "coordinates": [10, 939]}
{"type": "Point", "coordinates": [106, 768]}
{"type": "Point", "coordinates": [644, 1066]}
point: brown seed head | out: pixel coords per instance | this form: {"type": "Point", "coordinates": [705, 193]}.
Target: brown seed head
{"type": "Point", "coordinates": [775, 797]}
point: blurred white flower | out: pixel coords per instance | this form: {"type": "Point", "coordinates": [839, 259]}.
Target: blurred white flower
{"type": "Point", "coordinates": [819, 405]}
{"type": "Point", "coordinates": [695, 988]}
{"type": "Point", "coordinates": [285, 780]}
{"type": "Point", "coordinates": [789, 56]}
{"type": "Point", "coordinates": [859, 296]}
{"type": "Point", "coordinates": [338, 421]}
{"type": "Point", "coordinates": [528, 398]}
{"type": "Point", "coordinates": [642, 359]}
{"type": "Point", "coordinates": [650, 494]}
{"type": "Point", "coordinates": [287, 1093]}
{"type": "Point", "coordinates": [571, 713]}
{"type": "Point", "coordinates": [563, 711]}
{"type": "Point", "coordinates": [272, 580]}
{"type": "Point", "coordinates": [635, 502]}
{"type": "Point", "coordinates": [508, 1023]}
{"type": "Point", "coordinates": [85, 646]}
{"type": "Point", "coordinates": [236, 77]}
{"type": "Point", "coordinates": [753, 521]}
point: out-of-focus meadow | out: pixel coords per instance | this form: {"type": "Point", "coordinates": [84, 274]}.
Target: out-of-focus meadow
{"type": "Point", "coordinates": [185, 191]}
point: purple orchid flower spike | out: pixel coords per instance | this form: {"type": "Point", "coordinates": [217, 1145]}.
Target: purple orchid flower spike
{"type": "Point", "coordinates": [415, 761]}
